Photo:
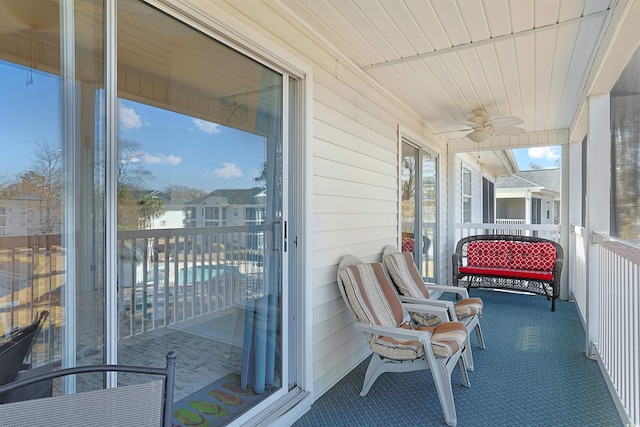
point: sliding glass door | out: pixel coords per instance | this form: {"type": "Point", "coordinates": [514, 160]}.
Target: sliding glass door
{"type": "Point", "coordinates": [199, 208]}
{"type": "Point", "coordinates": [419, 182]}
{"type": "Point", "coordinates": [161, 191]}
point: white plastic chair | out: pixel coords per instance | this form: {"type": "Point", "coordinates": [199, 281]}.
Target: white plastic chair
{"type": "Point", "coordinates": [413, 289]}
{"type": "Point", "coordinates": [397, 345]}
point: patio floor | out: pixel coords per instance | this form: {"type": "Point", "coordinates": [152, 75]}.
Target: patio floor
{"type": "Point", "coordinates": [534, 372]}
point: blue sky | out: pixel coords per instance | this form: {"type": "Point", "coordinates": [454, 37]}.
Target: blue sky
{"type": "Point", "coordinates": [177, 149]}
{"type": "Point", "coordinates": [545, 157]}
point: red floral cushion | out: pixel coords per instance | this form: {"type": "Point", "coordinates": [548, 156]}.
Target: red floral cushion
{"type": "Point", "coordinates": [532, 256]}
{"type": "Point", "coordinates": [483, 253]}
{"type": "Point", "coordinates": [407, 244]}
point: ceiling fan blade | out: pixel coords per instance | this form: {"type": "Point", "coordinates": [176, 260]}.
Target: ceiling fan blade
{"type": "Point", "coordinates": [451, 131]}
{"type": "Point", "coordinates": [472, 125]}
{"type": "Point", "coordinates": [500, 122]}
{"type": "Point", "coordinates": [508, 131]}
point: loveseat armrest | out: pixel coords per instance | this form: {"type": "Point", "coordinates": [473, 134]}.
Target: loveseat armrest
{"type": "Point", "coordinates": [456, 260]}
{"type": "Point", "coordinates": [456, 263]}
{"type": "Point", "coordinates": [557, 266]}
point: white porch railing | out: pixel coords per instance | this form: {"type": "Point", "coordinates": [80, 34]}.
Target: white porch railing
{"type": "Point", "coordinates": [618, 331]}
{"type": "Point", "coordinates": [168, 276]}
{"type": "Point", "coordinates": [165, 276]}
{"type": "Point", "coordinates": [510, 221]}
{"type": "Point", "coordinates": [546, 231]}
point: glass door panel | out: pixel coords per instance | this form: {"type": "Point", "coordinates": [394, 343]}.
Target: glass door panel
{"type": "Point", "coordinates": [429, 199]}
{"type": "Point", "coordinates": [408, 196]}
{"type": "Point", "coordinates": [199, 212]}
{"type": "Point", "coordinates": [419, 183]}
{"type": "Point", "coordinates": [52, 181]}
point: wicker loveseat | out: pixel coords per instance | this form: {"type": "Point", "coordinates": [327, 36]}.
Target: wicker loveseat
{"type": "Point", "coordinates": [521, 263]}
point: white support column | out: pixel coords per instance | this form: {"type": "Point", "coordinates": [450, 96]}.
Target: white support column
{"type": "Point", "coordinates": [527, 208]}
{"type": "Point", "coordinates": [451, 211]}
{"type": "Point", "coordinates": [571, 204]}
{"type": "Point", "coordinates": [598, 167]}
{"type": "Point", "coordinates": [565, 227]}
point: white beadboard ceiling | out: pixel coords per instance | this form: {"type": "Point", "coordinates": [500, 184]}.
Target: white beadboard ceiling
{"type": "Point", "coordinates": [444, 58]}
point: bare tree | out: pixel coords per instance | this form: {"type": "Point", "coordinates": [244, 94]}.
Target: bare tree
{"type": "Point", "coordinates": [130, 171]}
{"type": "Point", "coordinates": [42, 185]}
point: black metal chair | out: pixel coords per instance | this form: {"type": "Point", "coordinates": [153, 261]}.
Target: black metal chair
{"type": "Point", "coordinates": [142, 404]}
{"type": "Point", "coordinates": [16, 348]}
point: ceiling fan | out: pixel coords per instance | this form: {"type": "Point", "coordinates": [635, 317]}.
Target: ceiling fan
{"type": "Point", "coordinates": [483, 127]}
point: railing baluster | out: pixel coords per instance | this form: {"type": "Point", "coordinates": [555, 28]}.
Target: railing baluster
{"type": "Point", "coordinates": [619, 320]}
{"type": "Point", "coordinates": [176, 285]}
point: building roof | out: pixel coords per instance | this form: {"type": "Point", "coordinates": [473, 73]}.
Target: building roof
{"type": "Point", "coordinates": [548, 179]}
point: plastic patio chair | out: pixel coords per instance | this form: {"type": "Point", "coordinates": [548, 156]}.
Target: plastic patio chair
{"type": "Point", "coordinates": [397, 344]}
{"type": "Point", "coordinates": [413, 289]}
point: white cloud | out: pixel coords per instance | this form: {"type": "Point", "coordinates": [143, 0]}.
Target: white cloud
{"type": "Point", "coordinates": [206, 127]}
{"type": "Point", "coordinates": [546, 153]}
{"type": "Point", "coordinates": [227, 171]}
{"type": "Point", "coordinates": [161, 159]}
{"type": "Point", "coordinates": [128, 118]}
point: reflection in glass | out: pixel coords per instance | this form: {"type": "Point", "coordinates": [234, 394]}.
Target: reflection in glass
{"type": "Point", "coordinates": [418, 181]}
{"type": "Point", "coordinates": [52, 181]}
{"type": "Point", "coordinates": [408, 196]}
{"type": "Point", "coordinates": [199, 199]}
{"type": "Point", "coordinates": [429, 215]}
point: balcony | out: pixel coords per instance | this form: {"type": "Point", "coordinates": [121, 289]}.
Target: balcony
{"type": "Point", "coordinates": [536, 365]}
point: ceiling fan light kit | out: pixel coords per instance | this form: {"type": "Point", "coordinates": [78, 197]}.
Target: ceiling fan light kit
{"type": "Point", "coordinates": [479, 135]}
{"type": "Point", "coordinates": [483, 127]}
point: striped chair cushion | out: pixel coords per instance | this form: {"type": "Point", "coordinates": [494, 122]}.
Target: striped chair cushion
{"type": "Point", "coordinates": [375, 302]}
{"type": "Point", "coordinates": [409, 282]}
{"type": "Point", "coordinates": [446, 339]}
{"type": "Point", "coordinates": [405, 275]}
{"type": "Point", "coordinates": [371, 295]}
{"type": "Point", "coordinates": [468, 307]}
